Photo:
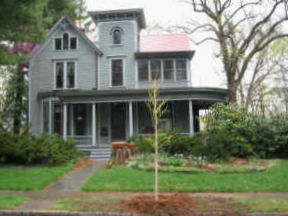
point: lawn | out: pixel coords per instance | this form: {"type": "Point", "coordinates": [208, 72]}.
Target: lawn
{"type": "Point", "coordinates": [11, 201]}
{"type": "Point", "coordinates": [90, 204]}
{"type": "Point", "coordinates": [29, 178]}
{"type": "Point", "coordinates": [265, 204]}
{"type": "Point", "coordinates": [128, 179]}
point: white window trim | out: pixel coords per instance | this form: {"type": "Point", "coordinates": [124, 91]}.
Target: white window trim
{"type": "Point", "coordinates": [65, 74]}
{"type": "Point", "coordinates": [61, 37]}
{"type": "Point", "coordinates": [123, 72]}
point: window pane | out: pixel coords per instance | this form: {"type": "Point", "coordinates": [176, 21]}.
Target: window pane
{"type": "Point", "coordinates": [58, 43]}
{"type": "Point", "coordinates": [168, 69]}
{"type": "Point", "coordinates": [117, 36]}
{"type": "Point", "coordinates": [70, 74]}
{"type": "Point", "coordinates": [155, 69]}
{"type": "Point", "coordinates": [73, 43]}
{"type": "Point", "coordinates": [181, 73]}
{"type": "Point", "coordinates": [117, 72]}
{"type": "Point", "coordinates": [65, 41]}
{"type": "Point", "coordinates": [59, 74]}
{"type": "Point", "coordinates": [143, 70]}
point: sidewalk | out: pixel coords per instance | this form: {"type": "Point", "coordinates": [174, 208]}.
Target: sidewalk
{"type": "Point", "coordinates": [68, 186]}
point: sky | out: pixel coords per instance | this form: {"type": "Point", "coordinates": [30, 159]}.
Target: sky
{"type": "Point", "coordinates": [206, 69]}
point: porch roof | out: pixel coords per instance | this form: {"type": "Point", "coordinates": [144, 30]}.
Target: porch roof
{"type": "Point", "coordinates": [199, 95]}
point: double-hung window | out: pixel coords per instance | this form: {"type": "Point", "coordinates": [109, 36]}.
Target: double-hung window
{"type": "Point", "coordinates": [65, 74]}
{"type": "Point", "coordinates": [117, 72]}
{"type": "Point", "coordinates": [155, 69]}
{"type": "Point", "coordinates": [143, 70]}
{"type": "Point", "coordinates": [181, 69]}
{"type": "Point", "coordinates": [168, 70]}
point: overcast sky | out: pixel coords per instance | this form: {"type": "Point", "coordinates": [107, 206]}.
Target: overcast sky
{"type": "Point", "coordinates": [206, 71]}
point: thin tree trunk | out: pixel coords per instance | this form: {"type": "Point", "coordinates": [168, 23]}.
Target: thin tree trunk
{"type": "Point", "coordinates": [156, 160]}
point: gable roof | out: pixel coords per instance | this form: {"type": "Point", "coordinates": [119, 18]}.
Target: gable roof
{"type": "Point", "coordinates": [38, 50]}
{"type": "Point", "coordinates": [164, 43]}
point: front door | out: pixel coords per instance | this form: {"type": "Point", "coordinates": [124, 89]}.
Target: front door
{"type": "Point", "coordinates": [118, 119]}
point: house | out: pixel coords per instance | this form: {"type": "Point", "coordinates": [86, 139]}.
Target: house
{"type": "Point", "coordinates": [95, 93]}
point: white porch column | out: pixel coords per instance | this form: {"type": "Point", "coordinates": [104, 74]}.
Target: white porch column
{"type": "Point", "coordinates": [65, 121]}
{"type": "Point", "coordinates": [130, 119]}
{"type": "Point", "coordinates": [93, 124]}
{"type": "Point", "coordinates": [191, 119]}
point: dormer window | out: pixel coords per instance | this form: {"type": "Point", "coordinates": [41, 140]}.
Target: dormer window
{"type": "Point", "coordinates": [117, 36]}
{"type": "Point", "coordinates": [66, 42]}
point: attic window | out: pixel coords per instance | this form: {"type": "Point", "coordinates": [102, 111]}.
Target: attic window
{"type": "Point", "coordinates": [66, 42]}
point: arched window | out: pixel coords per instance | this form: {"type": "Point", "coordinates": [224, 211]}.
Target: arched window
{"type": "Point", "coordinates": [65, 41]}
{"type": "Point", "coordinates": [117, 36]}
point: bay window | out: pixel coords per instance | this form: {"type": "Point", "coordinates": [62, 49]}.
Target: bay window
{"type": "Point", "coordinates": [162, 69]}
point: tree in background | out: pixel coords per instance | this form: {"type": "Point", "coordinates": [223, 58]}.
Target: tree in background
{"type": "Point", "coordinates": [242, 30]}
{"type": "Point", "coordinates": [157, 108]}
{"type": "Point", "coordinates": [23, 25]}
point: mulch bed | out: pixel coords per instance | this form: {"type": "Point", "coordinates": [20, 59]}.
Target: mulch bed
{"type": "Point", "coordinates": [173, 205]}
{"type": "Point", "coordinates": [85, 162]}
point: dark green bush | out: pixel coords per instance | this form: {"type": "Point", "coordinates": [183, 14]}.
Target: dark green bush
{"type": "Point", "coordinates": [170, 142]}
{"type": "Point", "coordinates": [231, 131]}
{"type": "Point", "coordinates": [29, 149]}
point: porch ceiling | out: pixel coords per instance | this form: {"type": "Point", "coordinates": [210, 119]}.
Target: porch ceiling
{"type": "Point", "coordinates": [200, 96]}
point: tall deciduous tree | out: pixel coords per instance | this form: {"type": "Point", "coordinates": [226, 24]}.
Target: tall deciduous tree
{"type": "Point", "coordinates": [241, 29]}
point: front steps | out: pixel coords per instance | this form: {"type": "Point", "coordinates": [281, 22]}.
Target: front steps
{"type": "Point", "coordinates": [95, 152]}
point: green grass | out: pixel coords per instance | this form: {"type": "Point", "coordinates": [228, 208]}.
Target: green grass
{"type": "Point", "coordinates": [265, 204]}
{"type": "Point", "coordinates": [89, 204]}
{"type": "Point", "coordinates": [29, 178]}
{"type": "Point", "coordinates": [128, 179]}
{"type": "Point", "coordinates": [11, 201]}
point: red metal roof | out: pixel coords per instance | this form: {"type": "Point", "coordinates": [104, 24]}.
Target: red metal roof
{"type": "Point", "coordinates": [165, 43]}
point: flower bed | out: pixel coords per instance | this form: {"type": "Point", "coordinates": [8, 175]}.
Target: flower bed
{"type": "Point", "coordinates": [178, 163]}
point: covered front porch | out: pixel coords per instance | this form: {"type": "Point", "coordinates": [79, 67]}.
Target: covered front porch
{"type": "Point", "coordinates": [98, 118]}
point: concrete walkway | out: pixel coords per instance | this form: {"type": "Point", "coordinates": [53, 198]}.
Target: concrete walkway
{"type": "Point", "coordinates": [65, 187]}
